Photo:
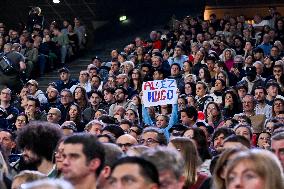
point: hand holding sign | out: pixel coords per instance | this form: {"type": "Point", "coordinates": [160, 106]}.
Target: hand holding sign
{"type": "Point", "coordinates": [159, 92]}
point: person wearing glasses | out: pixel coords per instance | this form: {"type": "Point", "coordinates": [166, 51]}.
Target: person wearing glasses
{"type": "Point", "coordinates": [54, 115]}
{"type": "Point", "coordinates": [152, 137]}
{"type": "Point", "coordinates": [66, 99]}
{"type": "Point", "coordinates": [125, 141]}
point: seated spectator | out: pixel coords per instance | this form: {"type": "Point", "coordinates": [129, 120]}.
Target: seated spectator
{"type": "Point", "coordinates": [33, 111]}
{"type": "Point", "coordinates": [65, 81]}
{"type": "Point", "coordinates": [34, 91]}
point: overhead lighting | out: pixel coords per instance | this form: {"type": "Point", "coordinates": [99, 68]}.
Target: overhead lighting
{"type": "Point", "coordinates": [122, 18]}
{"type": "Point", "coordinates": [56, 1]}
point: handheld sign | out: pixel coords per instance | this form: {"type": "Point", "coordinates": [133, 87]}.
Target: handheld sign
{"type": "Point", "coordinates": [159, 92]}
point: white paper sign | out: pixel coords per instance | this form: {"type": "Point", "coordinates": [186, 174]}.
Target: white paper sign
{"type": "Point", "coordinates": [159, 92]}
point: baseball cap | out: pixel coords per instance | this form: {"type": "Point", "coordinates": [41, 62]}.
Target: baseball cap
{"type": "Point", "coordinates": [69, 125]}
{"type": "Point", "coordinates": [32, 82]}
{"type": "Point", "coordinates": [271, 83]}
{"type": "Point", "coordinates": [63, 69]}
{"type": "Point", "coordinates": [251, 71]}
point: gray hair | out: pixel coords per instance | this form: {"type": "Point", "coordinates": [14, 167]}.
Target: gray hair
{"type": "Point", "coordinates": [258, 62]}
{"type": "Point", "coordinates": [166, 159]}
{"type": "Point", "coordinates": [54, 183]}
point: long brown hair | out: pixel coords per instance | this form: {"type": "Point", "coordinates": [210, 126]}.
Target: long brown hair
{"type": "Point", "coordinates": [189, 152]}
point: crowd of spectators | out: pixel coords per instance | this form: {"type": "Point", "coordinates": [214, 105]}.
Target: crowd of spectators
{"type": "Point", "coordinates": [42, 48]}
{"type": "Point", "coordinates": [225, 130]}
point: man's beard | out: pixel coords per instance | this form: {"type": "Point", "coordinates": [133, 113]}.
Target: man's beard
{"type": "Point", "coordinates": [32, 162]}
{"type": "Point", "coordinates": [119, 101]}
{"type": "Point", "coordinates": [53, 99]}
{"type": "Point", "coordinates": [261, 101]}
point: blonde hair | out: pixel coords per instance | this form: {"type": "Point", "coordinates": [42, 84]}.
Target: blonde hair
{"type": "Point", "coordinates": [264, 163]}
{"type": "Point", "coordinates": [189, 152]}
{"type": "Point", "coordinates": [218, 181]}
{"type": "Point", "coordinates": [29, 176]}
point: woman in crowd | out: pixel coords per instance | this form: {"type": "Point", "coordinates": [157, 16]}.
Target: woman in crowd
{"type": "Point", "coordinates": [263, 140]}
{"type": "Point", "coordinates": [136, 80]}
{"type": "Point", "coordinates": [187, 148]}
{"type": "Point", "coordinates": [256, 168]}
{"type": "Point", "coordinates": [277, 106]}
{"type": "Point", "coordinates": [187, 66]}
{"type": "Point", "coordinates": [219, 173]}
{"type": "Point", "coordinates": [230, 104]}
{"type": "Point", "coordinates": [74, 114]}
{"type": "Point", "coordinates": [224, 76]}
{"type": "Point", "coordinates": [127, 68]}
{"type": "Point", "coordinates": [213, 115]}
{"type": "Point", "coordinates": [204, 75]}
{"type": "Point", "coordinates": [111, 82]}
{"type": "Point", "coordinates": [189, 88]}
{"type": "Point", "coordinates": [140, 54]}
{"type": "Point", "coordinates": [199, 137]}
{"type": "Point", "coordinates": [80, 97]}
{"type": "Point", "coordinates": [218, 90]}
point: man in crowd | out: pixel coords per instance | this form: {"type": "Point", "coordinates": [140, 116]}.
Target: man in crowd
{"type": "Point", "coordinates": [262, 107]}
{"type": "Point", "coordinates": [83, 81]}
{"type": "Point", "coordinates": [121, 96]}
{"type": "Point", "coordinates": [170, 165]}
{"type": "Point", "coordinates": [272, 89]}
{"type": "Point", "coordinates": [277, 146]}
{"type": "Point", "coordinates": [83, 160]}
{"type": "Point", "coordinates": [94, 127]}
{"type": "Point", "coordinates": [7, 144]}
{"type": "Point", "coordinates": [54, 115]}
{"type": "Point", "coordinates": [38, 142]}
{"type": "Point", "coordinates": [178, 56]}
{"type": "Point", "coordinates": [65, 82]}
{"type": "Point", "coordinates": [5, 102]}
{"type": "Point", "coordinates": [33, 111]}
{"type": "Point", "coordinates": [125, 141]}
{"type": "Point", "coordinates": [66, 100]}
{"type": "Point", "coordinates": [17, 61]}
{"type": "Point", "coordinates": [96, 101]}
{"type": "Point", "coordinates": [143, 174]}
{"type": "Point", "coordinates": [35, 92]}
{"type": "Point", "coordinates": [112, 154]}
{"type": "Point", "coordinates": [152, 137]}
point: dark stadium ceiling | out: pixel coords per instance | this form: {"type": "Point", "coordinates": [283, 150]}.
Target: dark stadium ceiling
{"type": "Point", "coordinates": [16, 10]}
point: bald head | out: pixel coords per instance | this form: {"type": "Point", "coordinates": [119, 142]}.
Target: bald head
{"type": "Point", "coordinates": [125, 141]}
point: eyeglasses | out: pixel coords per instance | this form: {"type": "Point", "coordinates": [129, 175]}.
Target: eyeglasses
{"type": "Point", "coordinates": [62, 96]}
{"type": "Point", "coordinates": [51, 114]}
{"type": "Point", "coordinates": [132, 130]}
{"type": "Point", "coordinates": [148, 141]}
{"type": "Point", "coordinates": [125, 144]}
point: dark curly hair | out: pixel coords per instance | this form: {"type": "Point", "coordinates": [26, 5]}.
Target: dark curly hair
{"type": "Point", "coordinates": [40, 137]}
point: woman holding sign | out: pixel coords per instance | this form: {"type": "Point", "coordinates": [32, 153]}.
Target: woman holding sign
{"type": "Point", "coordinates": [172, 120]}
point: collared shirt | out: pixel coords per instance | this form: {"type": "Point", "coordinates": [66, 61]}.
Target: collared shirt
{"type": "Point", "coordinates": [266, 110]}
